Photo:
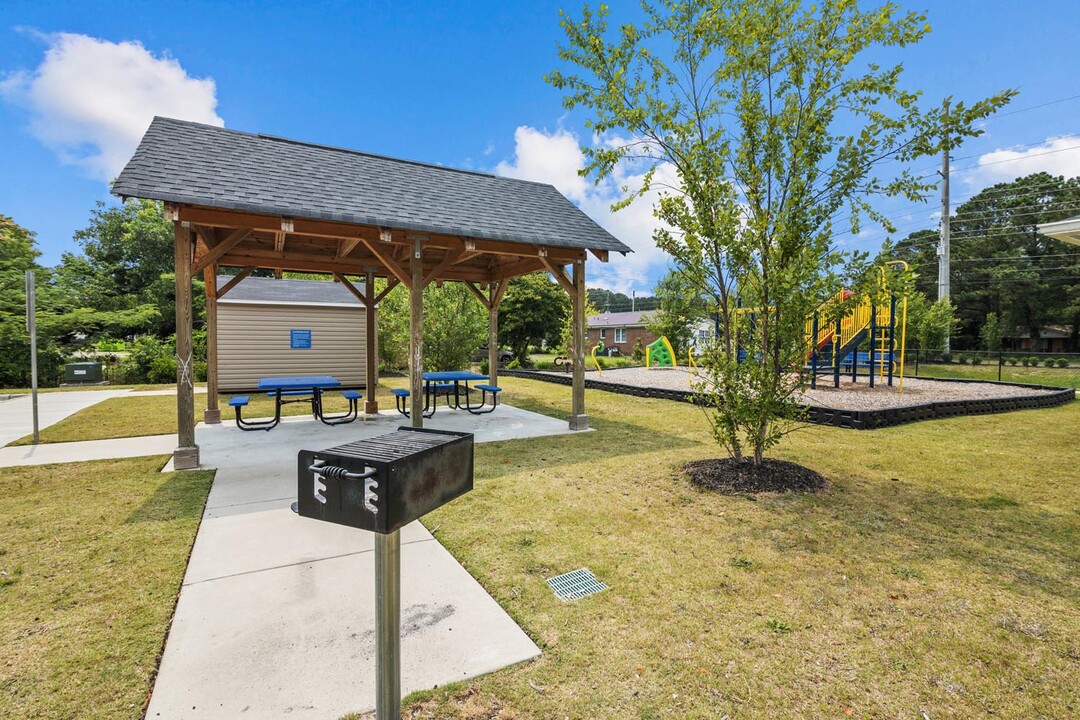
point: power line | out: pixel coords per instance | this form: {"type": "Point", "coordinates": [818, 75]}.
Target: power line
{"type": "Point", "coordinates": [995, 116]}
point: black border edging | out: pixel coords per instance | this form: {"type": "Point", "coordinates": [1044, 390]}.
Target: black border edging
{"type": "Point", "coordinates": [854, 419]}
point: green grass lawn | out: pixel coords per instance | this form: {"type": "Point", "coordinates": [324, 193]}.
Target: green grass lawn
{"type": "Point", "coordinates": [156, 414]}
{"type": "Point", "coordinates": [940, 574]}
{"type": "Point", "coordinates": [91, 559]}
{"type": "Point", "coordinates": [1058, 377]}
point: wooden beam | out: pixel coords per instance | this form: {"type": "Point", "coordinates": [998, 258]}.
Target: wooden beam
{"type": "Point", "coordinates": [416, 336]}
{"type": "Point", "coordinates": [363, 297]}
{"type": "Point", "coordinates": [346, 231]}
{"type": "Point", "coordinates": [494, 297]}
{"type": "Point", "coordinates": [479, 294]}
{"type": "Point", "coordinates": [347, 246]}
{"type": "Point", "coordinates": [391, 283]}
{"type": "Point", "coordinates": [212, 414]}
{"type": "Point", "coordinates": [235, 281]}
{"type": "Point", "coordinates": [466, 256]}
{"type": "Point", "coordinates": [447, 261]}
{"type": "Point", "coordinates": [186, 455]}
{"type": "Point", "coordinates": [559, 273]}
{"type": "Point", "coordinates": [578, 419]}
{"type": "Point", "coordinates": [500, 290]}
{"type": "Point", "coordinates": [220, 249]}
{"type": "Point", "coordinates": [601, 255]}
{"type": "Point", "coordinates": [514, 269]}
{"type": "Point", "coordinates": [371, 348]}
{"type": "Point", "coordinates": [279, 241]}
{"type": "Point", "coordinates": [391, 264]}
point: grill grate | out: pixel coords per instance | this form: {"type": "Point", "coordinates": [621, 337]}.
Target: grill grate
{"type": "Point", "coordinates": [575, 584]}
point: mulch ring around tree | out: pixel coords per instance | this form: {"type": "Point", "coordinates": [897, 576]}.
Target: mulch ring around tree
{"type": "Point", "coordinates": [730, 477]}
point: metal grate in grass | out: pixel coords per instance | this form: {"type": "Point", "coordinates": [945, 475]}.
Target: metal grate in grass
{"type": "Point", "coordinates": [575, 584]}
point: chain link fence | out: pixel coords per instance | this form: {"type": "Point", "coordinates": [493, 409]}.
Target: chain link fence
{"type": "Point", "coordinates": [1054, 369]}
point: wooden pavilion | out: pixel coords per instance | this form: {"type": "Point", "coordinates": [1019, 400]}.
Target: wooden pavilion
{"type": "Point", "coordinates": [254, 201]}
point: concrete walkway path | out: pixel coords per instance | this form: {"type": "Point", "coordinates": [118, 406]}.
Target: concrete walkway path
{"type": "Point", "coordinates": [68, 452]}
{"type": "Point", "coordinates": [17, 415]}
{"type": "Point", "coordinates": [276, 613]}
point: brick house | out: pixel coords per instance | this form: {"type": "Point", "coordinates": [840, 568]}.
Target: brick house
{"type": "Point", "coordinates": [621, 330]}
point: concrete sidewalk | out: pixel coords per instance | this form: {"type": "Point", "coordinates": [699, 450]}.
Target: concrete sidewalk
{"type": "Point", "coordinates": [276, 613]}
{"type": "Point", "coordinates": [17, 417]}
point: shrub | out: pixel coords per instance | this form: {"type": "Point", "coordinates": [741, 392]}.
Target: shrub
{"type": "Point", "coordinates": [484, 366]}
{"type": "Point", "coordinates": [513, 365]}
{"type": "Point", "coordinates": [1049, 362]}
{"type": "Point", "coordinates": [962, 359]}
{"type": "Point", "coordinates": [946, 358]}
{"type": "Point", "coordinates": [1026, 361]}
{"type": "Point", "coordinates": [976, 359]}
{"type": "Point", "coordinates": [1063, 362]}
{"type": "Point", "coordinates": [1013, 360]}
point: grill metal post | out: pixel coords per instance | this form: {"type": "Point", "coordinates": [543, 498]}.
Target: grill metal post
{"type": "Point", "coordinates": [388, 626]}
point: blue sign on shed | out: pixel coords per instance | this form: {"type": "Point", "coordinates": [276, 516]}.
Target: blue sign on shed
{"type": "Point", "coordinates": [300, 339]}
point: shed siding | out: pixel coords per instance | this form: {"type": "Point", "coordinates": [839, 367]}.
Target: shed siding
{"type": "Point", "coordinates": [254, 342]}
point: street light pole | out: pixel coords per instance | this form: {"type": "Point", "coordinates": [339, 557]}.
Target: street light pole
{"type": "Point", "coordinates": [31, 329]}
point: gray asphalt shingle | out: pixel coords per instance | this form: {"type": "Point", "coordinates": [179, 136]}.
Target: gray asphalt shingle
{"type": "Point", "coordinates": [185, 162]}
{"type": "Point", "coordinates": [288, 290]}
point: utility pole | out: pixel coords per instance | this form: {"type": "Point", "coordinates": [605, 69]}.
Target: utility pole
{"type": "Point", "coordinates": [633, 300]}
{"type": "Point", "coordinates": [31, 330]}
{"type": "Point", "coordinates": [943, 248]}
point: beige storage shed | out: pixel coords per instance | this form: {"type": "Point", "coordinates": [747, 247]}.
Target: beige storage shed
{"type": "Point", "coordinates": [282, 327]}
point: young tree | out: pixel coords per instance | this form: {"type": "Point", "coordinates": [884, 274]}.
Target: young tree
{"type": "Point", "coordinates": [533, 310]}
{"type": "Point", "coordinates": [762, 122]}
{"type": "Point", "coordinates": [936, 324]}
{"type": "Point", "coordinates": [454, 326]}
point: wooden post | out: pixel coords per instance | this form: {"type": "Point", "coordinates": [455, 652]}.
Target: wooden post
{"type": "Point", "coordinates": [416, 336]}
{"type": "Point", "coordinates": [493, 333]}
{"type": "Point", "coordinates": [371, 334]}
{"type": "Point", "coordinates": [186, 455]}
{"type": "Point", "coordinates": [212, 414]}
{"type": "Point", "coordinates": [578, 419]}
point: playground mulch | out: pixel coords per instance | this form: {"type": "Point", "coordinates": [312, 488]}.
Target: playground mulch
{"type": "Point", "coordinates": [849, 396]}
{"type": "Point", "coordinates": [728, 476]}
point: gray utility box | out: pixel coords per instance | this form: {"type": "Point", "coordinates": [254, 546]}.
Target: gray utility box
{"type": "Point", "coordinates": [387, 481]}
{"type": "Point", "coordinates": [84, 372]}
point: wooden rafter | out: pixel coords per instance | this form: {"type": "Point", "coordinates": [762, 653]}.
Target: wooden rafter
{"type": "Point", "coordinates": [347, 246]}
{"type": "Point", "coordinates": [235, 280]}
{"type": "Point", "coordinates": [218, 251]}
{"type": "Point", "coordinates": [516, 268]}
{"type": "Point", "coordinates": [446, 262]}
{"type": "Point", "coordinates": [601, 255]}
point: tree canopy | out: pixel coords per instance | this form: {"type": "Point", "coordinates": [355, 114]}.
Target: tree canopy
{"type": "Point", "coordinates": [761, 122]}
{"type": "Point", "coordinates": [533, 310]}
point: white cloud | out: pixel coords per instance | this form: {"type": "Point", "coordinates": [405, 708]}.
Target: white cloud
{"type": "Point", "coordinates": [91, 100]}
{"type": "Point", "coordinates": [1057, 156]}
{"type": "Point", "coordinates": [555, 158]}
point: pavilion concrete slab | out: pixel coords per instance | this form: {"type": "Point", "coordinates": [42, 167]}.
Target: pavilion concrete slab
{"type": "Point", "coordinates": [276, 615]}
{"type": "Point", "coordinates": [17, 417]}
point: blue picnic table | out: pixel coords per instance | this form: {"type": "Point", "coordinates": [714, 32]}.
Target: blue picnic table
{"type": "Point", "coordinates": [306, 388]}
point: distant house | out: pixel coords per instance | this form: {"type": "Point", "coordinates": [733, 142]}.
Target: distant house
{"type": "Point", "coordinates": [269, 327]}
{"type": "Point", "coordinates": [620, 330]}
{"type": "Point", "coordinates": [1051, 339]}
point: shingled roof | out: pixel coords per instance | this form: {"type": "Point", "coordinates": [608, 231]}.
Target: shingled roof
{"type": "Point", "coordinates": [288, 291]}
{"type": "Point", "coordinates": [190, 163]}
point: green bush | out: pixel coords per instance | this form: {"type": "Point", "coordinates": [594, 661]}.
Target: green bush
{"type": "Point", "coordinates": [514, 364]}
{"type": "Point", "coordinates": [1063, 362]}
{"type": "Point", "coordinates": [1013, 360]}
{"type": "Point", "coordinates": [484, 366]}
{"type": "Point", "coordinates": [962, 359]}
{"type": "Point", "coordinates": [1049, 362]}
{"type": "Point", "coordinates": [15, 358]}
{"type": "Point", "coordinates": [946, 358]}
{"type": "Point", "coordinates": [1026, 361]}
{"type": "Point", "coordinates": [976, 359]}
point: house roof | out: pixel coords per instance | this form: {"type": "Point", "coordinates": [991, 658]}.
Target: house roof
{"type": "Point", "coordinates": [1067, 230]}
{"type": "Point", "coordinates": [265, 290]}
{"type": "Point", "coordinates": [621, 319]}
{"type": "Point", "coordinates": [191, 163]}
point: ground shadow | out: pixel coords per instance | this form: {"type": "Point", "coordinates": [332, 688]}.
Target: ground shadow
{"type": "Point", "coordinates": [175, 498]}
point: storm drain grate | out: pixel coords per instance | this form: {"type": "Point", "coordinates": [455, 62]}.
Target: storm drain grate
{"type": "Point", "coordinates": [575, 584]}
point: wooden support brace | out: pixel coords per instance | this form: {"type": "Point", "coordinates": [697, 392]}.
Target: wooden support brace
{"type": "Point", "coordinates": [391, 264]}
{"type": "Point", "coordinates": [235, 281]}
{"type": "Point", "coordinates": [560, 275]}
{"type": "Point", "coordinates": [220, 249]}
{"type": "Point", "coordinates": [447, 261]}
{"type": "Point", "coordinates": [479, 294]}
{"type": "Point", "coordinates": [391, 283]}
{"type": "Point", "coordinates": [363, 297]}
{"type": "Point", "coordinates": [347, 246]}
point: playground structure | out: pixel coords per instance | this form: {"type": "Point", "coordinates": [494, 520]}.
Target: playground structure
{"type": "Point", "coordinates": [835, 333]}
{"type": "Point", "coordinates": [660, 354]}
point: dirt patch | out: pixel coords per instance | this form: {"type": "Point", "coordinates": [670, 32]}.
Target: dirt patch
{"type": "Point", "coordinates": [731, 477]}
{"type": "Point", "coordinates": [469, 704]}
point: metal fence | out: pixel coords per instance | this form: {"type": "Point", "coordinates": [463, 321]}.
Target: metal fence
{"type": "Point", "coordinates": [1055, 369]}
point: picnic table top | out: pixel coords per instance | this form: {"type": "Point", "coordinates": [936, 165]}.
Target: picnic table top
{"type": "Point", "coordinates": [453, 375]}
{"type": "Point", "coordinates": [292, 383]}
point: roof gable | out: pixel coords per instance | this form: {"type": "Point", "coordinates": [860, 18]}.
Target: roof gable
{"type": "Point", "coordinates": [190, 163]}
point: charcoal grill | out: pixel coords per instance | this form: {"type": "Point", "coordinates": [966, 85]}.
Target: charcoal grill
{"type": "Point", "coordinates": [381, 484]}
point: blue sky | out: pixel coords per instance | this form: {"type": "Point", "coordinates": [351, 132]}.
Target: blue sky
{"type": "Point", "coordinates": [445, 82]}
